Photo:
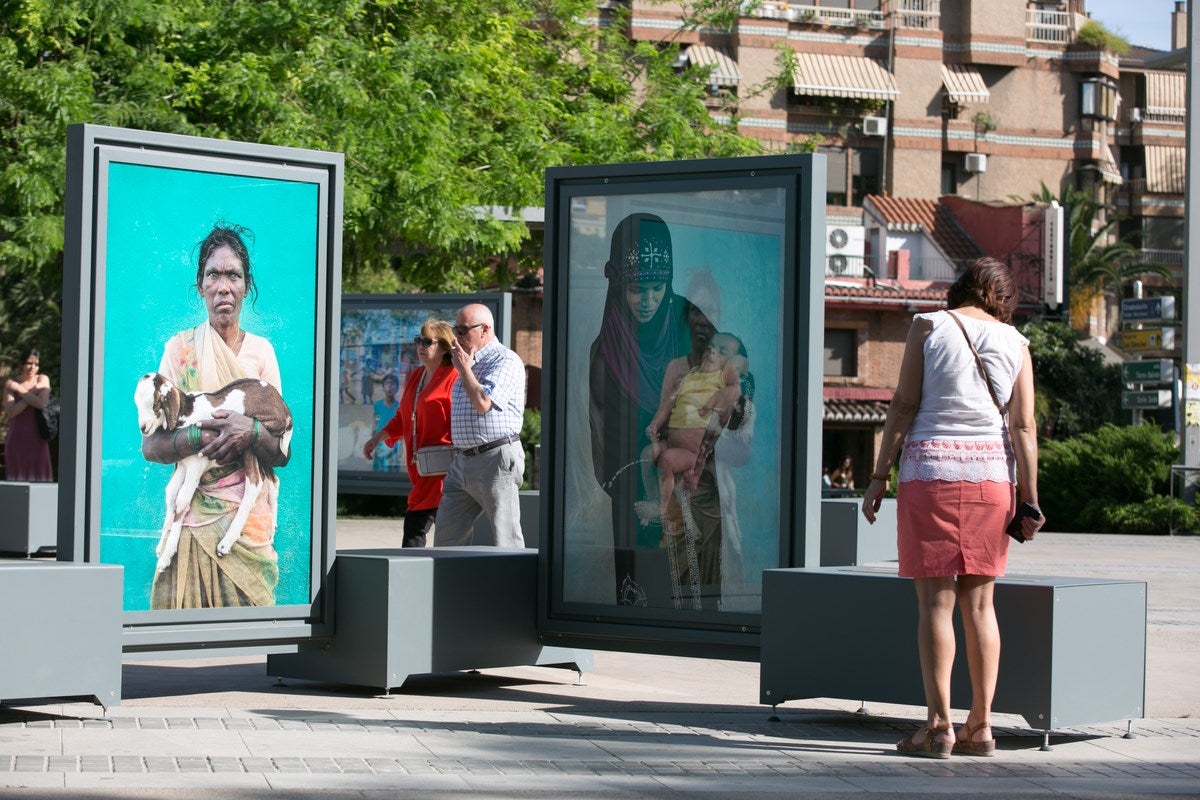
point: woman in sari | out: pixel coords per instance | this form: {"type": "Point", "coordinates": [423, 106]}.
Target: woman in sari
{"type": "Point", "coordinates": [206, 358]}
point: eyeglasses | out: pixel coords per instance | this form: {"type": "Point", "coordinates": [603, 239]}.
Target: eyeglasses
{"type": "Point", "coordinates": [463, 330]}
{"type": "Point", "coordinates": [421, 341]}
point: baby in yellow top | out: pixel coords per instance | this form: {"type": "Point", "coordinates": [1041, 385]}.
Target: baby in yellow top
{"type": "Point", "coordinates": [688, 412]}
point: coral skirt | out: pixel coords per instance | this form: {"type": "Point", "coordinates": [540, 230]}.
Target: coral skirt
{"type": "Point", "coordinates": [948, 528]}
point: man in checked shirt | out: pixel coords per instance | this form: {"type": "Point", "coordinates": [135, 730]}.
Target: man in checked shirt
{"type": "Point", "coordinates": [487, 404]}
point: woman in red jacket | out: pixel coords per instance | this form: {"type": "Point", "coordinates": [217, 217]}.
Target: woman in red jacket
{"type": "Point", "coordinates": [423, 419]}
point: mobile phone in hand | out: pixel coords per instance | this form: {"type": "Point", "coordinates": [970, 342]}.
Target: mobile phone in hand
{"type": "Point", "coordinates": [1026, 509]}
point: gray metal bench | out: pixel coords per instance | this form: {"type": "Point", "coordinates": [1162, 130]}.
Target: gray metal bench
{"type": "Point", "coordinates": [62, 631]}
{"type": "Point", "coordinates": [1073, 649]}
{"type": "Point", "coordinates": [424, 610]}
{"type": "Point", "coordinates": [29, 522]}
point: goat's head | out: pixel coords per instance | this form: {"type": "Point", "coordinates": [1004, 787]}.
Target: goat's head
{"type": "Point", "coordinates": [157, 401]}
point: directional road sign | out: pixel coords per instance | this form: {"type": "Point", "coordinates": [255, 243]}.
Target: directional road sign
{"type": "Point", "coordinates": [1150, 370]}
{"type": "Point", "coordinates": [1148, 339]}
{"type": "Point", "coordinates": [1159, 398]}
{"type": "Point", "coordinates": [1147, 308]}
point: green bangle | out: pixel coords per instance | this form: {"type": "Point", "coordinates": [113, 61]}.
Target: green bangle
{"type": "Point", "coordinates": [255, 437]}
{"type": "Point", "coordinates": [195, 438]}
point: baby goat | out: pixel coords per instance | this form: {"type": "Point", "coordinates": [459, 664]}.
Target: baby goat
{"type": "Point", "coordinates": [162, 405]}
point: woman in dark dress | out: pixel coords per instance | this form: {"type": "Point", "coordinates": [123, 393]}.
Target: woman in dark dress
{"type": "Point", "coordinates": [643, 328]}
{"type": "Point", "coordinates": [27, 454]}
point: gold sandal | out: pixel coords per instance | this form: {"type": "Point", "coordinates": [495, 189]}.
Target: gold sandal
{"type": "Point", "coordinates": [928, 748]}
{"type": "Point", "coordinates": [968, 746]}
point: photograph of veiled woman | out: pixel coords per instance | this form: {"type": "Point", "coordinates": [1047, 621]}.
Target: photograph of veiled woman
{"type": "Point", "coordinates": [644, 327]}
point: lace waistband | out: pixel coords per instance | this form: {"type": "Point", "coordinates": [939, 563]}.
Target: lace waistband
{"type": "Point", "coordinates": [958, 460]}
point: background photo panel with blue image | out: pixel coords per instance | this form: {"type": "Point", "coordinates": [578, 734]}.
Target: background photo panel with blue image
{"type": "Point", "coordinates": [377, 356]}
{"type": "Point", "coordinates": [671, 501]}
{"type": "Point", "coordinates": [214, 256]}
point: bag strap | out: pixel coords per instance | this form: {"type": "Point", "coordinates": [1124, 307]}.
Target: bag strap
{"type": "Point", "coordinates": [417, 401]}
{"type": "Point", "coordinates": [978, 361]}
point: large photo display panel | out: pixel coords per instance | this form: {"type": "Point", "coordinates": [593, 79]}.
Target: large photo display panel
{"type": "Point", "coordinates": [163, 330]}
{"type": "Point", "coordinates": [378, 355]}
{"type": "Point", "coordinates": [205, 294]}
{"type": "Point", "coordinates": [672, 418]}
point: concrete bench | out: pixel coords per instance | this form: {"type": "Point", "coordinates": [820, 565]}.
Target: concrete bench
{"type": "Point", "coordinates": [847, 539]}
{"type": "Point", "coordinates": [424, 610]}
{"type": "Point", "coordinates": [62, 631]}
{"type": "Point", "coordinates": [1073, 649]}
{"type": "Point", "coordinates": [29, 520]}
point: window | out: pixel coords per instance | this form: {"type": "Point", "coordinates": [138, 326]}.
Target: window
{"type": "Point", "coordinates": [841, 352]}
{"type": "Point", "coordinates": [949, 177]}
{"type": "Point", "coordinates": [1098, 99]}
{"type": "Point", "coordinates": [1163, 233]}
{"type": "Point", "coordinates": [866, 175]}
{"type": "Point", "coordinates": [835, 175]}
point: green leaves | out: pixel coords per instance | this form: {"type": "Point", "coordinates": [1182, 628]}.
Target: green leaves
{"type": "Point", "coordinates": [1080, 478]}
{"type": "Point", "coordinates": [1076, 391]}
{"type": "Point", "coordinates": [442, 107]}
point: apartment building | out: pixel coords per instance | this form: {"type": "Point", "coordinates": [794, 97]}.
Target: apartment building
{"type": "Point", "coordinates": [934, 116]}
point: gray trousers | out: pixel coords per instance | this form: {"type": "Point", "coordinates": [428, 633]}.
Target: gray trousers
{"type": "Point", "coordinates": [487, 483]}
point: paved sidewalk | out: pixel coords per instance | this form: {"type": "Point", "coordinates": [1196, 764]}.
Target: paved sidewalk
{"type": "Point", "coordinates": [640, 727]}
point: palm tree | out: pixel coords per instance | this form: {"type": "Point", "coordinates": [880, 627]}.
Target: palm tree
{"type": "Point", "coordinates": [1099, 263]}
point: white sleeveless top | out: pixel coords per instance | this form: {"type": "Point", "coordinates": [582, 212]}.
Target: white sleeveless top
{"type": "Point", "coordinates": [957, 433]}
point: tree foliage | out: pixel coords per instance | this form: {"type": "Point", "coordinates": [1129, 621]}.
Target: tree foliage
{"type": "Point", "coordinates": [1081, 478]}
{"type": "Point", "coordinates": [441, 107]}
{"type": "Point", "coordinates": [1075, 391]}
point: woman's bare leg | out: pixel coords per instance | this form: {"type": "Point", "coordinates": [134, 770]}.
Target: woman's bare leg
{"type": "Point", "coordinates": [935, 644]}
{"type": "Point", "coordinates": [975, 594]}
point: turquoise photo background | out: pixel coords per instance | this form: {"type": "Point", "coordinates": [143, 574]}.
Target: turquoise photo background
{"type": "Point", "coordinates": [156, 219]}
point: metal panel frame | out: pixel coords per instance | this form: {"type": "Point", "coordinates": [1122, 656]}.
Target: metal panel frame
{"type": "Point", "coordinates": [698, 633]}
{"type": "Point", "coordinates": [89, 148]}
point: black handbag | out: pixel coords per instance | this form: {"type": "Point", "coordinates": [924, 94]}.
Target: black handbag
{"type": "Point", "coordinates": [43, 423]}
{"type": "Point", "coordinates": [47, 419]}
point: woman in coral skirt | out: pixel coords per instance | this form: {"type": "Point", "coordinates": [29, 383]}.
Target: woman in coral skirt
{"type": "Point", "coordinates": [962, 425]}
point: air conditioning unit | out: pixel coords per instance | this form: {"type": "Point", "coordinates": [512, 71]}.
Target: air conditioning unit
{"type": "Point", "coordinates": [976, 162]}
{"type": "Point", "coordinates": [845, 249]}
{"type": "Point", "coordinates": [874, 126]}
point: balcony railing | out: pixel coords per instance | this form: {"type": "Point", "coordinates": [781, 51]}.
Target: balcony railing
{"type": "Point", "coordinates": [820, 15]}
{"type": "Point", "coordinates": [1052, 27]}
{"type": "Point", "coordinates": [922, 14]}
{"type": "Point", "coordinates": [936, 268]}
{"type": "Point", "coordinates": [1168, 258]}
{"type": "Point", "coordinates": [841, 266]}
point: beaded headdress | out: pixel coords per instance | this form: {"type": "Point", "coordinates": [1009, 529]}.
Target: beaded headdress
{"type": "Point", "coordinates": [641, 250]}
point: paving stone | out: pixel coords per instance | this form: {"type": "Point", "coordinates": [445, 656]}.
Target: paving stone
{"type": "Point", "coordinates": [128, 764]}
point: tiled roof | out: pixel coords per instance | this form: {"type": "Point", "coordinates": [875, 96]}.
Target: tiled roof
{"type": "Point", "coordinates": [1137, 55]}
{"type": "Point", "coordinates": [884, 290]}
{"type": "Point", "coordinates": [912, 214]}
{"type": "Point", "coordinates": [872, 411]}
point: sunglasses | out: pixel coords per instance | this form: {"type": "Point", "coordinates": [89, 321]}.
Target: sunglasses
{"type": "Point", "coordinates": [463, 330]}
{"type": "Point", "coordinates": [421, 341]}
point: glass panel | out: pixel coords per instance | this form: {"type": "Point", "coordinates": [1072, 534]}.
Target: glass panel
{"type": "Point", "coordinates": [672, 418]}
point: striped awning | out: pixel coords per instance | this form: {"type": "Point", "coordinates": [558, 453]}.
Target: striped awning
{"type": "Point", "coordinates": [1110, 172]}
{"type": "Point", "coordinates": [725, 70]}
{"type": "Point", "coordinates": [825, 75]}
{"type": "Point", "coordinates": [1166, 93]}
{"type": "Point", "coordinates": [1166, 168]}
{"type": "Point", "coordinates": [861, 411]}
{"type": "Point", "coordinates": [964, 85]}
